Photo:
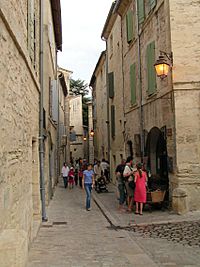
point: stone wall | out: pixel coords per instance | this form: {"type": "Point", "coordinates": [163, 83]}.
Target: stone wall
{"type": "Point", "coordinates": [186, 82]}
{"type": "Point", "coordinates": [76, 120]}
{"type": "Point", "coordinates": [19, 172]}
{"type": "Point", "coordinates": [114, 55]}
{"type": "Point", "coordinates": [101, 130]}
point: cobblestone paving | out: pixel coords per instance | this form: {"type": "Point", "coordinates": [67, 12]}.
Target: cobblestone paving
{"type": "Point", "coordinates": [74, 237]}
{"type": "Point", "coordinates": [169, 239]}
{"type": "Point", "coordinates": [185, 233]}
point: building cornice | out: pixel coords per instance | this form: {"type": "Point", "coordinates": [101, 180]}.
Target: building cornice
{"type": "Point", "coordinates": [109, 22]}
{"type": "Point", "coordinates": [121, 6]}
{"type": "Point", "coordinates": [57, 21]}
{"type": "Point", "coordinates": [93, 79]}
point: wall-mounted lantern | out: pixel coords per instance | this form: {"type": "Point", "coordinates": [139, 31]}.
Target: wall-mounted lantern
{"type": "Point", "coordinates": [92, 133]}
{"type": "Point", "coordinates": [163, 64]}
{"type": "Point", "coordinates": [84, 138]}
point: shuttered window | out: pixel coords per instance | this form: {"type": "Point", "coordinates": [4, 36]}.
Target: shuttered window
{"type": "Point", "coordinates": [151, 74]}
{"type": "Point", "coordinates": [152, 4]}
{"type": "Point", "coordinates": [111, 84]}
{"type": "Point", "coordinates": [54, 101]}
{"type": "Point", "coordinates": [141, 13]}
{"type": "Point", "coordinates": [130, 26]}
{"type": "Point", "coordinates": [113, 121]}
{"type": "Point", "coordinates": [31, 29]}
{"type": "Point", "coordinates": [133, 83]}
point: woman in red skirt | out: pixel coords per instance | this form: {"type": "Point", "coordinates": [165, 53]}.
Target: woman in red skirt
{"type": "Point", "coordinates": [140, 189]}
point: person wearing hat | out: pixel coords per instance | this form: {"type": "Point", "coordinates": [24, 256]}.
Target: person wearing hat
{"type": "Point", "coordinates": [140, 189]}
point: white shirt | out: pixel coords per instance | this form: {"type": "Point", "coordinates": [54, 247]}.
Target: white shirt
{"type": "Point", "coordinates": [65, 171]}
{"type": "Point", "coordinates": [104, 166]}
{"type": "Point", "coordinates": [97, 170]}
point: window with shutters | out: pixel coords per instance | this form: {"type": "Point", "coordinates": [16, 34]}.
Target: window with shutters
{"type": "Point", "coordinates": [113, 121]}
{"type": "Point", "coordinates": [133, 83]}
{"type": "Point", "coordinates": [141, 11]}
{"type": "Point", "coordinates": [144, 8]}
{"type": "Point", "coordinates": [152, 4]}
{"type": "Point", "coordinates": [130, 26]}
{"type": "Point", "coordinates": [31, 27]}
{"type": "Point", "coordinates": [54, 101]}
{"type": "Point", "coordinates": [151, 73]}
{"type": "Point", "coordinates": [149, 6]}
{"type": "Point", "coordinates": [111, 84]}
{"type": "Point", "coordinates": [50, 98]}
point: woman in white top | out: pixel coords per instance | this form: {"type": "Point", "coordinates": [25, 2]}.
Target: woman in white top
{"type": "Point", "coordinates": [129, 176]}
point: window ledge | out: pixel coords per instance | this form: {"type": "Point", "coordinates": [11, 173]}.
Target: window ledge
{"type": "Point", "coordinates": [152, 95]}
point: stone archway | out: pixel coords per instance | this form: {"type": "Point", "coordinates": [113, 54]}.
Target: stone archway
{"type": "Point", "coordinates": [156, 152]}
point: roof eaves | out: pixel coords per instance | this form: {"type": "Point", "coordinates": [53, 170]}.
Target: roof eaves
{"type": "Point", "coordinates": [93, 79]}
{"type": "Point", "coordinates": [63, 83]}
{"type": "Point", "coordinates": [109, 21]}
{"type": "Point", "coordinates": [57, 21]}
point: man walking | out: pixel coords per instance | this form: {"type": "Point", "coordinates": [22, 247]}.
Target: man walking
{"type": "Point", "coordinates": [121, 183]}
{"type": "Point", "coordinates": [65, 172]}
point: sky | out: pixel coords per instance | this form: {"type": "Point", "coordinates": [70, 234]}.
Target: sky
{"type": "Point", "coordinates": [82, 25]}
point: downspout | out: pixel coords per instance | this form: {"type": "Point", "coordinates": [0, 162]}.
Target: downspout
{"type": "Point", "coordinates": [108, 106]}
{"type": "Point", "coordinates": [123, 86]}
{"type": "Point", "coordinates": [58, 125]}
{"type": "Point", "coordinates": [140, 82]}
{"type": "Point", "coordinates": [41, 113]}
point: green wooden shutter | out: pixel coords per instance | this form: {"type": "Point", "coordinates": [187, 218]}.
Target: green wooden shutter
{"type": "Point", "coordinates": [152, 4]}
{"type": "Point", "coordinates": [111, 84]}
{"type": "Point", "coordinates": [113, 121]}
{"type": "Point", "coordinates": [151, 73]}
{"type": "Point", "coordinates": [129, 26]}
{"type": "Point", "coordinates": [141, 13]}
{"type": "Point", "coordinates": [133, 83]}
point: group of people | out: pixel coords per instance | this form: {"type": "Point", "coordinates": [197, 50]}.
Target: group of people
{"type": "Point", "coordinates": [132, 183]}
{"type": "Point", "coordinates": [83, 173]}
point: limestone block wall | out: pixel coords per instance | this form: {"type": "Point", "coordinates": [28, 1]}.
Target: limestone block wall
{"type": "Point", "coordinates": [114, 55]}
{"type": "Point", "coordinates": [101, 131]}
{"type": "Point", "coordinates": [19, 172]}
{"type": "Point", "coordinates": [157, 109]}
{"type": "Point", "coordinates": [186, 83]}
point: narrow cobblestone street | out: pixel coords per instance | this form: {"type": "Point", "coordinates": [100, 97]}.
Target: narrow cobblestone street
{"type": "Point", "coordinates": [76, 238]}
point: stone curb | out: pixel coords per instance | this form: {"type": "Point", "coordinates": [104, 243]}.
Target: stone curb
{"type": "Point", "coordinates": [114, 222]}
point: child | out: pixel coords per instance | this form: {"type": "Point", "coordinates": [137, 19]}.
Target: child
{"type": "Point", "coordinates": [71, 178]}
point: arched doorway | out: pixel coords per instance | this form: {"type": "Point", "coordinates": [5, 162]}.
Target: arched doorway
{"type": "Point", "coordinates": [157, 163]}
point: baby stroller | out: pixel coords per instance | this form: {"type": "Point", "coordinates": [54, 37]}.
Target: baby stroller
{"type": "Point", "coordinates": [101, 186]}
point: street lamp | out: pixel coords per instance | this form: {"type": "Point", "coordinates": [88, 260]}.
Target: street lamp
{"type": "Point", "coordinates": [92, 133]}
{"type": "Point", "coordinates": [163, 64]}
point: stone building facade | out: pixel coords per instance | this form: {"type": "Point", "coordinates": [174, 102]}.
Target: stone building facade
{"type": "Point", "coordinates": [160, 115]}
{"type": "Point", "coordinates": [76, 127]}
{"type": "Point", "coordinates": [100, 116]}
{"type": "Point", "coordinates": [20, 95]}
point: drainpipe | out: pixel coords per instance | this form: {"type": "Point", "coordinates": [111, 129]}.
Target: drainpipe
{"type": "Point", "coordinates": [58, 125]}
{"type": "Point", "coordinates": [108, 106]}
{"type": "Point", "coordinates": [140, 82]}
{"type": "Point", "coordinates": [41, 135]}
{"type": "Point", "coordinates": [123, 86]}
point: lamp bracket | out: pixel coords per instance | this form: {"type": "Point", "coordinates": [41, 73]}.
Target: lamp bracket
{"type": "Point", "coordinates": [168, 55]}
